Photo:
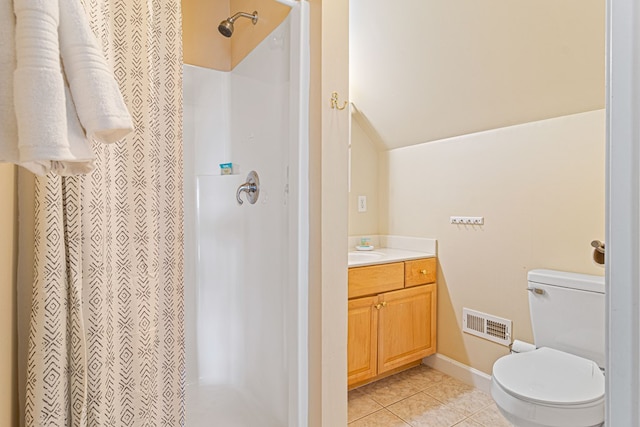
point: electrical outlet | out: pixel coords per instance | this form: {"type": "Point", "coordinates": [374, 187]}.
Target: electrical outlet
{"type": "Point", "coordinates": [362, 203]}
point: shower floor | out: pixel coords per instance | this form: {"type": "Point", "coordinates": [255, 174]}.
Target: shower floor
{"type": "Point", "coordinates": [221, 405]}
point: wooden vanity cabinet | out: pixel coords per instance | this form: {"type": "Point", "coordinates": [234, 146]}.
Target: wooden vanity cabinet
{"type": "Point", "coordinates": [397, 324]}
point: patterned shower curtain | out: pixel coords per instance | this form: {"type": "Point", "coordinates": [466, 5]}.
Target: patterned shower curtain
{"type": "Point", "coordinates": [106, 341]}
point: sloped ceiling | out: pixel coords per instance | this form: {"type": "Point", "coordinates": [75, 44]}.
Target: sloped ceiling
{"type": "Point", "coordinates": [423, 70]}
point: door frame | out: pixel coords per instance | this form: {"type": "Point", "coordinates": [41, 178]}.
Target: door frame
{"type": "Point", "coordinates": [623, 214]}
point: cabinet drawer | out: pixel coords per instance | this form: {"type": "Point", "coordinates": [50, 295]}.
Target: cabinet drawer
{"type": "Point", "coordinates": [419, 272]}
{"type": "Point", "coordinates": [375, 279]}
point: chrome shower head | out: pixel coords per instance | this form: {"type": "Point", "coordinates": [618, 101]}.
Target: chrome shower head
{"type": "Point", "coordinates": [226, 26]}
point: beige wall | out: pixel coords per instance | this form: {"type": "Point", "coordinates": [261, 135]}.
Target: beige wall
{"type": "Point", "coordinates": [8, 261]}
{"type": "Point", "coordinates": [204, 46]}
{"type": "Point", "coordinates": [364, 182]}
{"type": "Point", "coordinates": [424, 70]}
{"type": "Point", "coordinates": [540, 188]}
{"type": "Point", "coordinates": [247, 36]}
{"type": "Point", "coordinates": [201, 42]}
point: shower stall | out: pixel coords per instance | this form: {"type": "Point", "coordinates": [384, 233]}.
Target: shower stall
{"type": "Point", "coordinates": [246, 264]}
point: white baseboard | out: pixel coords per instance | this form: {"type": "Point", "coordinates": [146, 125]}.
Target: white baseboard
{"type": "Point", "coordinates": [459, 371]}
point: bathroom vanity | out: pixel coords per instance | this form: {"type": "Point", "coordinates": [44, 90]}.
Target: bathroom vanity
{"type": "Point", "coordinates": [392, 312]}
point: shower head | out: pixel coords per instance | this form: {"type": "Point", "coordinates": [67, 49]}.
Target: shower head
{"type": "Point", "coordinates": [226, 26]}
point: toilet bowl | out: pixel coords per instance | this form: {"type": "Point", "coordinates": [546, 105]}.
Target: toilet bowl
{"type": "Point", "coordinates": [560, 383]}
{"type": "Point", "coordinates": [549, 388]}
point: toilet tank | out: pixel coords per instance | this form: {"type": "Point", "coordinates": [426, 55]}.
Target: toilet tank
{"type": "Point", "coordinates": [567, 312]}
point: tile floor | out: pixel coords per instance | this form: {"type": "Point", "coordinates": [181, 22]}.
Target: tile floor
{"type": "Point", "coordinates": [422, 397]}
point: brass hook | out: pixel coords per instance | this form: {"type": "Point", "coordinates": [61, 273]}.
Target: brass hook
{"type": "Point", "coordinates": [334, 102]}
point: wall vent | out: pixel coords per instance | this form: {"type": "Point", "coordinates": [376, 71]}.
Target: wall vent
{"type": "Point", "coordinates": [485, 326]}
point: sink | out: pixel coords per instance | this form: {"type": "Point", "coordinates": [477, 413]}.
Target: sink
{"type": "Point", "coordinates": [364, 256]}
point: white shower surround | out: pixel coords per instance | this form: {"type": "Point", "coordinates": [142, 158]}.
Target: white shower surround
{"type": "Point", "coordinates": [246, 266]}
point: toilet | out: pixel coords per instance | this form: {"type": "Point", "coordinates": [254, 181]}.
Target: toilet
{"type": "Point", "coordinates": [561, 382]}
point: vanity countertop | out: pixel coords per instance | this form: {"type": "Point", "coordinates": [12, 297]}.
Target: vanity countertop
{"type": "Point", "coordinates": [384, 256]}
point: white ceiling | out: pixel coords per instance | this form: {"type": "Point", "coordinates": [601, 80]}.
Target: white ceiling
{"type": "Point", "coordinates": [423, 70]}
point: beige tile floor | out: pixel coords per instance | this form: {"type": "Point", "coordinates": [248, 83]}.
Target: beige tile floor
{"type": "Point", "coordinates": [422, 397]}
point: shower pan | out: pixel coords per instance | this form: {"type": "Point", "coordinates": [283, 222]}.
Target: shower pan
{"type": "Point", "coordinates": [246, 264]}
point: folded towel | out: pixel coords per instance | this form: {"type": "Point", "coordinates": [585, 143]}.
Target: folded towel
{"type": "Point", "coordinates": [96, 95]}
{"type": "Point", "coordinates": [39, 99]}
{"type": "Point", "coordinates": [42, 122]}
{"type": "Point", "coordinates": [54, 117]}
{"type": "Point", "coordinates": [80, 148]}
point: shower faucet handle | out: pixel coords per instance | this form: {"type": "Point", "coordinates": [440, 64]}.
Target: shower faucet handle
{"type": "Point", "coordinates": [251, 187]}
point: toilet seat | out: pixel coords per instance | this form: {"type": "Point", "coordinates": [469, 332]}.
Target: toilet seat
{"type": "Point", "coordinates": [550, 377]}
{"type": "Point", "coordinates": [547, 387]}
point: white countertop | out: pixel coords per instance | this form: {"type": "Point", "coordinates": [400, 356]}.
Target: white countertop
{"type": "Point", "coordinates": [384, 256]}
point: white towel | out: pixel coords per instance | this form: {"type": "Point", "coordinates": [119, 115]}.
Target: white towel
{"type": "Point", "coordinates": [96, 95]}
{"type": "Point", "coordinates": [49, 133]}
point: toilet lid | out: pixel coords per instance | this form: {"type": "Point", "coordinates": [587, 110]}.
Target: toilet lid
{"type": "Point", "coordinates": [550, 376]}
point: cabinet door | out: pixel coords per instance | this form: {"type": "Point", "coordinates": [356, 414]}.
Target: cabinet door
{"type": "Point", "coordinates": [407, 326]}
{"type": "Point", "coordinates": [362, 345]}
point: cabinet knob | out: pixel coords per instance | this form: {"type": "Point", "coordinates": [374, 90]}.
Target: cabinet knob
{"type": "Point", "coordinates": [423, 272]}
{"type": "Point", "coordinates": [378, 306]}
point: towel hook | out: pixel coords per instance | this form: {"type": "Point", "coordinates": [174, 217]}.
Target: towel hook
{"type": "Point", "coordinates": [334, 102]}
